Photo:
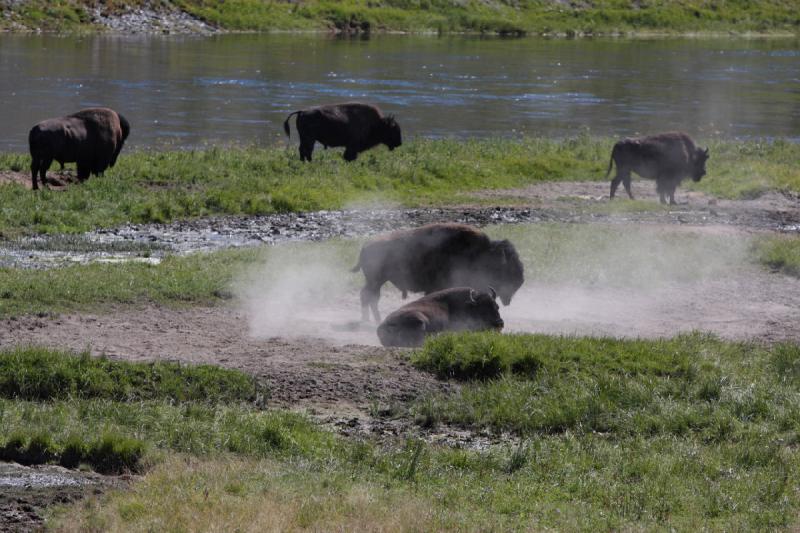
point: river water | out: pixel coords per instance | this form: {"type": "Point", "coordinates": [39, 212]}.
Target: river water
{"type": "Point", "coordinates": [190, 91]}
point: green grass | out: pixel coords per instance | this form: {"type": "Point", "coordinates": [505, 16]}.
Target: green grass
{"type": "Point", "coordinates": [165, 186]}
{"type": "Point", "coordinates": [780, 253]}
{"type": "Point", "coordinates": [41, 374]}
{"type": "Point", "coordinates": [691, 385]}
{"type": "Point", "coordinates": [202, 278]}
{"type": "Point", "coordinates": [686, 433]}
{"type": "Point", "coordinates": [495, 16]}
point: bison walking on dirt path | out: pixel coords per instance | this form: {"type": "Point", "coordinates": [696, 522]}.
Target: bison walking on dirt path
{"type": "Point", "coordinates": [667, 158]}
{"type": "Point", "coordinates": [436, 257]}
{"type": "Point", "coordinates": [455, 309]}
{"type": "Point", "coordinates": [92, 138]}
{"type": "Point", "coordinates": [357, 127]}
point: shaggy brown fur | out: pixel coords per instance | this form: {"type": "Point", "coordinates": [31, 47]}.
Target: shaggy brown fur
{"type": "Point", "coordinates": [435, 257]}
{"type": "Point", "coordinates": [667, 158]}
{"type": "Point", "coordinates": [92, 138]}
{"type": "Point", "coordinates": [355, 126]}
{"type": "Point", "coordinates": [456, 309]}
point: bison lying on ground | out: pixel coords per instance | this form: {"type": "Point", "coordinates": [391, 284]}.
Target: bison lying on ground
{"type": "Point", "coordinates": [355, 126]}
{"type": "Point", "coordinates": [92, 138]}
{"type": "Point", "coordinates": [435, 257]}
{"type": "Point", "coordinates": [667, 158]}
{"type": "Point", "coordinates": [456, 309]}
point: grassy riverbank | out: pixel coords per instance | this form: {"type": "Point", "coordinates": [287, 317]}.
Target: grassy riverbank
{"type": "Point", "coordinates": [688, 433]}
{"type": "Point", "coordinates": [166, 186]}
{"type": "Point", "coordinates": [494, 16]}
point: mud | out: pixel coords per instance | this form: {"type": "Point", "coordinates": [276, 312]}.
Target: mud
{"type": "Point", "coordinates": [25, 491]}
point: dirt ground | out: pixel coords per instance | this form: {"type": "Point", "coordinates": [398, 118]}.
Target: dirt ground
{"type": "Point", "coordinates": [329, 364]}
{"type": "Point", "coordinates": [56, 179]}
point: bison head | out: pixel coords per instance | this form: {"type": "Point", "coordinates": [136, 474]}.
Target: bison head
{"type": "Point", "coordinates": [391, 133]}
{"type": "Point", "coordinates": [700, 158]}
{"type": "Point", "coordinates": [482, 311]}
{"type": "Point", "coordinates": [507, 272]}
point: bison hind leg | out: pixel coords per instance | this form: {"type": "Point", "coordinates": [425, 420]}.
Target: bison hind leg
{"type": "Point", "coordinates": [626, 182]}
{"type": "Point", "coordinates": [350, 154]}
{"type": "Point", "coordinates": [409, 332]}
{"type": "Point", "coordinates": [306, 149]}
{"type": "Point", "coordinates": [35, 173]}
{"type": "Point", "coordinates": [369, 300]}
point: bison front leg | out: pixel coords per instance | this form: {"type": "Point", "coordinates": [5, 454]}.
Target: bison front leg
{"type": "Point", "coordinates": [672, 197]}
{"type": "Point", "coordinates": [84, 170]}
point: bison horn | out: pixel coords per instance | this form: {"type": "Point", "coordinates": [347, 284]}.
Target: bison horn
{"type": "Point", "coordinates": [492, 292]}
{"type": "Point", "coordinates": [472, 295]}
{"type": "Point", "coordinates": [705, 151]}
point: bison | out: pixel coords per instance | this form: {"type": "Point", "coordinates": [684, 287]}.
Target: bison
{"type": "Point", "coordinates": [455, 309]}
{"type": "Point", "coordinates": [435, 257]}
{"type": "Point", "coordinates": [92, 138]}
{"type": "Point", "coordinates": [667, 158]}
{"type": "Point", "coordinates": [357, 127]}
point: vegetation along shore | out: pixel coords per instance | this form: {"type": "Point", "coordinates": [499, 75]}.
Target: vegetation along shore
{"type": "Point", "coordinates": [511, 17]}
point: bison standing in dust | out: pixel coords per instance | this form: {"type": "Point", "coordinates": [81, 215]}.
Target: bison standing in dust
{"type": "Point", "coordinates": [667, 158]}
{"type": "Point", "coordinates": [436, 257]}
{"type": "Point", "coordinates": [92, 138]}
{"type": "Point", "coordinates": [455, 309]}
{"type": "Point", "coordinates": [357, 127]}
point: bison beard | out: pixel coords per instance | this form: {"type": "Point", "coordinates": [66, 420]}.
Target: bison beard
{"type": "Point", "coordinates": [456, 309]}
{"type": "Point", "coordinates": [92, 138]}
{"type": "Point", "coordinates": [357, 127]}
{"type": "Point", "coordinates": [436, 257]}
{"type": "Point", "coordinates": [667, 158]}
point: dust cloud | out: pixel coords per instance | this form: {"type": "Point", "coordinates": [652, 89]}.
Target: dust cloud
{"type": "Point", "coordinates": [635, 282]}
{"type": "Point", "coordinates": [615, 280]}
{"type": "Point", "coordinates": [307, 290]}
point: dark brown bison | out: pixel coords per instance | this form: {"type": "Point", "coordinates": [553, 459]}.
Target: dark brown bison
{"type": "Point", "coordinates": [355, 126]}
{"type": "Point", "coordinates": [92, 138]}
{"type": "Point", "coordinates": [667, 158]}
{"type": "Point", "coordinates": [436, 257]}
{"type": "Point", "coordinates": [455, 309]}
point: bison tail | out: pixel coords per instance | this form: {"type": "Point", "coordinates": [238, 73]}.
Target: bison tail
{"type": "Point", "coordinates": [356, 268]}
{"type": "Point", "coordinates": [125, 126]}
{"type": "Point", "coordinates": [610, 164]}
{"type": "Point", "coordinates": [286, 123]}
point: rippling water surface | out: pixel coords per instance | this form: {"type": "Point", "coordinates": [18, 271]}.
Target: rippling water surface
{"type": "Point", "coordinates": [190, 91]}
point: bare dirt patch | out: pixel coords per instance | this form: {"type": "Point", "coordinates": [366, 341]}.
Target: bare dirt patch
{"type": "Point", "coordinates": [55, 180]}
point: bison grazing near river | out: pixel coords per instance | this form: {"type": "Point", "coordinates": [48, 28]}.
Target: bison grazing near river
{"type": "Point", "coordinates": [667, 158]}
{"type": "Point", "coordinates": [435, 257]}
{"type": "Point", "coordinates": [455, 309]}
{"type": "Point", "coordinates": [355, 126]}
{"type": "Point", "coordinates": [92, 138]}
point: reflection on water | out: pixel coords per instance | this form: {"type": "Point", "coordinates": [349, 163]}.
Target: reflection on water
{"type": "Point", "coordinates": [188, 91]}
